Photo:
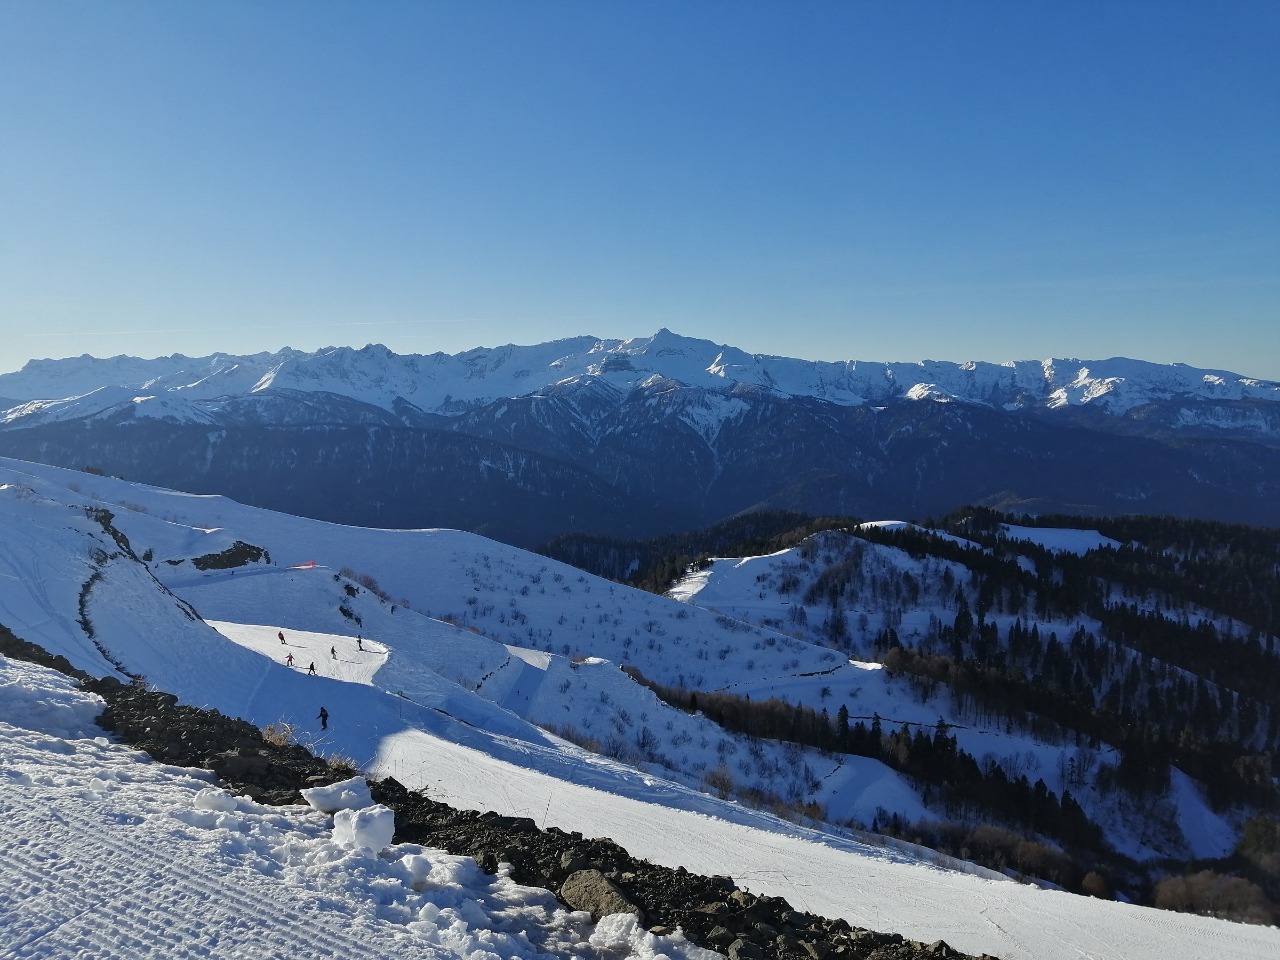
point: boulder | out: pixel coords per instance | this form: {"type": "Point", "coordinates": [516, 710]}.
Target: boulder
{"type": "Point", "coordinates": [592, 891]}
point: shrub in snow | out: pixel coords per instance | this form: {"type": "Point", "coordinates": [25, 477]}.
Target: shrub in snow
{"type": "Point", "coordinates": [370, 828]}
{"type": "Point", "coordinates": [344, 795]}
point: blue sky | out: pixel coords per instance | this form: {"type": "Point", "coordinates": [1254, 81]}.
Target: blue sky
{"type": "Point", "coordinates": [875, 181]}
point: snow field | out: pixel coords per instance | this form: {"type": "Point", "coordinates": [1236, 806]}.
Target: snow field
{"type": "Point", "coordinates": [108, 854]}
{"type": "Point", "coordinates": [876, 887]}
{"type": "Point", "coordinates": [1064, 541]}
{"type": "Point", "coordinates": [870, 887]}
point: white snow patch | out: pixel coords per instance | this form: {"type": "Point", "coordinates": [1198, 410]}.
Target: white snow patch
{"type": "Point", "coordinates": [1058, 540]}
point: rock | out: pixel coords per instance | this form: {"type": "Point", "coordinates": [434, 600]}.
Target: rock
{"type": "Point", "coordinates": [720, 936]}
{"type": "Point", "coordinates": [234, 765]}
{"type": "Point", "coordinates": [742, 949]}
{"type": "Point", "coordinates": [571, 862]}
{"type": "Point", "coordinates": [592, 891]}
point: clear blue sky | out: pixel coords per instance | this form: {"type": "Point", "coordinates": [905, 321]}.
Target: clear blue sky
{"type": "Point", "coordinates": [831, 180]}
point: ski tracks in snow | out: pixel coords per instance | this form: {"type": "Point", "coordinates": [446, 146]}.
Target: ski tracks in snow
{"type": "Point", "coordinates": [112, 879]}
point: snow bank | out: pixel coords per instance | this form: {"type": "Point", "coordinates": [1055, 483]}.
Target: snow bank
{"type": "Point", "coordinates": [215, 799]}
{"type": "Point", "coordinates": [35, 698]}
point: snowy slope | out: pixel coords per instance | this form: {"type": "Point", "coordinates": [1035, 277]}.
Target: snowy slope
{"type": "Point", "coordinates": [1067, 541]}
{"type": "Point", "coordinates": [871, 888]}
{"type": "Point", "coordinates": [505, 601]}
{"type": "Point", "coordinates": [110, 855]}
{"type": "Point", "coordinates": [440, 705]}
{"type": "Point", "coordinates": [451, 384]}
{"type": "Point", "coordinates": [778, 589]}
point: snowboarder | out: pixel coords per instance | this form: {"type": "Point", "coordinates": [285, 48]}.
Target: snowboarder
{"type": "Point", "coordinates": [281, 636]}
{"type": "Point", "coordinates": [289, 660]}
{"type": "Point", "coordinates": [323, 717]}
{"type": "Point", "coordinates": [333, 652]}
{"type": "Point", "coordinates": [312, 669]}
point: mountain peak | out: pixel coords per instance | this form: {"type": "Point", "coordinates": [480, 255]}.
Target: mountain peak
{"type": "Point", "coordinates": [375, 375]}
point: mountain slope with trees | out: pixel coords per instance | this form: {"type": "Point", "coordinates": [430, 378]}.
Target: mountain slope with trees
{"type": "Point", "coordinates": [1144, 648]}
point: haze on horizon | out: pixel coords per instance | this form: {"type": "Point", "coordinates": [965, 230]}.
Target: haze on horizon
{"type": "Point", "coordinates": [987, 181]}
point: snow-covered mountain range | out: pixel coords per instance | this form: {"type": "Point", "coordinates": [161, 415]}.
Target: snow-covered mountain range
{"type": "Point", "coordinates": [652, 435]}
{"type": "Point", "coordinates": [450, 385]}
{"type": "Point", "coordinates": [445, 660]}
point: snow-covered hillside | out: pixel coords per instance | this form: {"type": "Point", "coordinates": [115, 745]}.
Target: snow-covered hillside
{"type": "Point", "coordinates": [443, 662]}
{"type": "Point", "coordinates": [838, 588]}
{"type": "Point", "coordinates": [191, 388]}
{"type": "Point", "coordinates": [110, 855]}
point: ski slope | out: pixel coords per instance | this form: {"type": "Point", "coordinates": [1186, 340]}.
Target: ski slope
{"type": "Point", "coordinates": [870, 887]}
{"type": "Point", "coordinates": [110, 855]}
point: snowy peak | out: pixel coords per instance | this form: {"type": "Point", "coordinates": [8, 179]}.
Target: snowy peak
{"type": "Point", "coordinates": [449, 385]}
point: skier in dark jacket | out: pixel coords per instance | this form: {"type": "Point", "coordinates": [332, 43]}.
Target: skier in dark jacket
{"type": "Point", "coordinates": [323, 717]}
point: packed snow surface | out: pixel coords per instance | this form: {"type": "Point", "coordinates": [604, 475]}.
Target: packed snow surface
{"type": "Point", "coordinates": [108, 854]}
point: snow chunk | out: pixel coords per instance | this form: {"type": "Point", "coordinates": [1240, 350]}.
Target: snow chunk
{"type": "Point", "coordinates": [418, 866]}
{"type": "Point", "coordinates": [347, 795]}
{"type": "Point", "coordinates": [215, 799]}
{"type": "Point", "coordinates": [368, 829]}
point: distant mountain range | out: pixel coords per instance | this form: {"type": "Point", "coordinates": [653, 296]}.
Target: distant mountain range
{"type": "Point", "coordinates": [639, 437]}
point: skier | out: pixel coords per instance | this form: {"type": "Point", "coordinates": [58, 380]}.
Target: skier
{"type": "Point", "coordinates": [281, 636]}
{"type": "Point", "coordinates": [323, 717]}
{"type": "Point", "coordinates": [289, 660]}
{"type": "Point", "coordinates": [333, 652]}
{"type": "Point", "coordinates": [359, 643]}
{"type": "Point", "coordinates": [312, 669]}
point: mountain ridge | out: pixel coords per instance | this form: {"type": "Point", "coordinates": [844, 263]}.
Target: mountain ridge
{"type": "Point", "coordinates": [449, 385]}
{"type": "Point", "coordinates": [648, 436]}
